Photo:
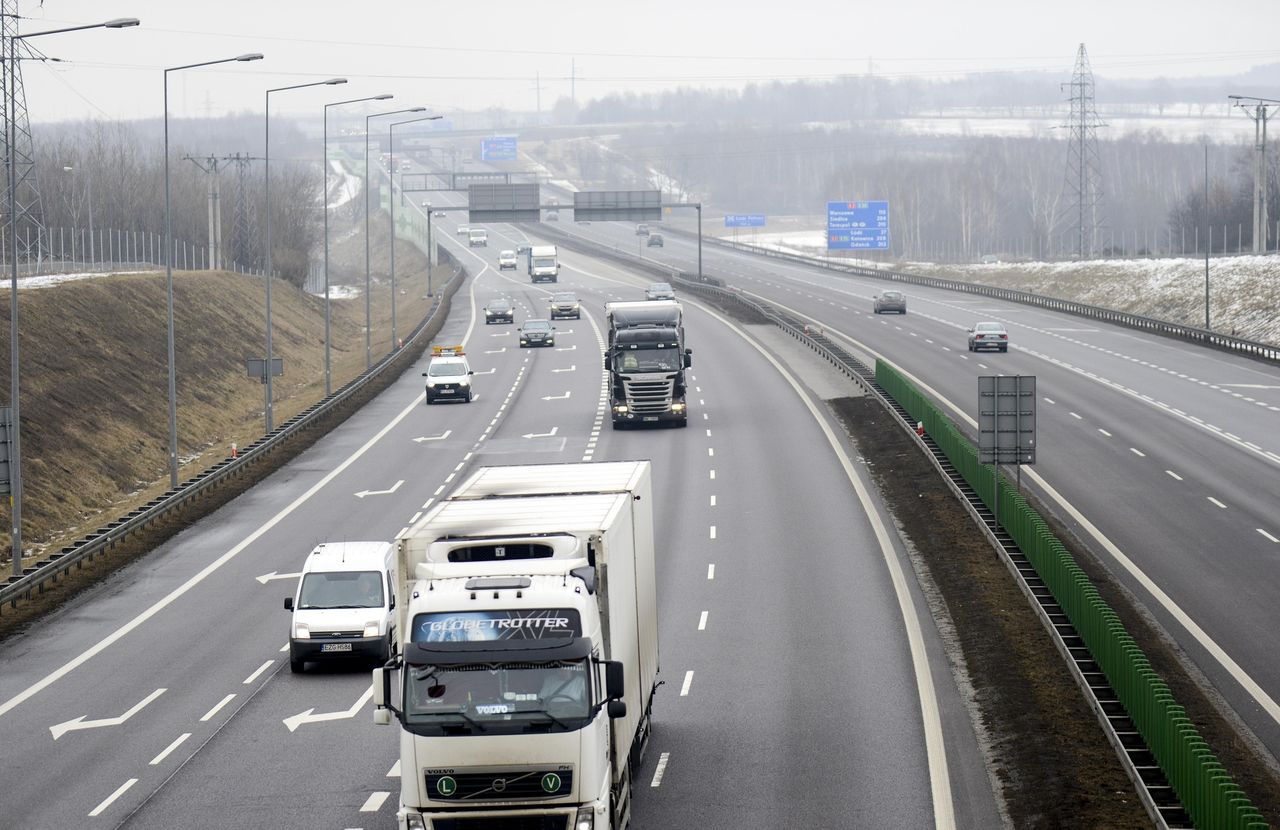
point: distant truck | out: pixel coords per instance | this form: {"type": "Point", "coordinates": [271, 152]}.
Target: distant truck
{"type": "Point", "coordinates": [646, 359]}
{"type": "Point", "coordinates": [526, 604]}
{"type": "Point", "coordinates": [543, 263]}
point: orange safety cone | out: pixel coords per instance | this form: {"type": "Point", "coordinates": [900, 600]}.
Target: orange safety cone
{"type": "Point", "coordinates": [920, 428]}
{"type": "Point", "coordinates": [235, 453]}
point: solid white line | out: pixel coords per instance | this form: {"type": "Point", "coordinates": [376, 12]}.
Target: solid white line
{"type": "Point", "coordinates": [1175, 475]}
{"type": "Point", "coordinates": [711, 570]}
{"type": "Point", "coordinates": [688, 680]}
{"type": "Point", "coordinates": [660, 770]}
{"type": "Point", "coordinates": [217, 708]}
{"type": "Point", "coordinates": [1138, 452]}
{"type": "Point", "coordinates": [1268, 535]}
{"type": "Point", "coordinates": [123, 789]}
{"type": "Point", "coordinates": [259, 671]}
{"type": "Point", "coordinates": [374, 802]}
{"type": "Point", "coordinates": [1215, 501]}
{"type": "Point", "coordinates": [97, 648]}
{"type": "Point", "coordinates": [713, 531]}
{"type": "Point", "coordinates": [702, 622]}
{"type": "Point", "coordinates": [170, 748]}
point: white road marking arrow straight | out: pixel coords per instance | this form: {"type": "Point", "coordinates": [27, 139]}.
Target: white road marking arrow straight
{"type": "Point", "coordinates": [306, 717]}
{"type": "Point", "coordinates": [570, 369]}
{"type": "Point", "coordinates": [61, 729]}
{"type": "Point", "coordinates": [550, 434]}
{"type": "Point", "coordinates": [394, 488]}
{"type": "Point", "coordinates": [265, 578]}
{"type": "Point", "coordinates": [557, 397]}
{"type": "Point", "coordinates": [565, 348]}
{"type": "Point", "coordinates": [439, 437]}
{"type": "Point", "coordinates": [501, 334]}
{"type": "Point", "coordinates": [496, 351]}
{"type": "Point", "coordinates": [486, 372]}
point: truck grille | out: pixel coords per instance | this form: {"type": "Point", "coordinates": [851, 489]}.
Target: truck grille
{"type": "Point", "coordinates": [502, 823]}
{"type": "Point", "coordinates": [649, 397]}
{"type": "Point", "coordinates": [502, 785]}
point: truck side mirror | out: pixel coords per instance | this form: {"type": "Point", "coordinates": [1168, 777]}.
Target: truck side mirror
{"type": "Point", "coordinates": [606, 362]}
{"type": "Point", "coordinates": [614, 688]}
{"type": "Point", "coordinates": [379, 692]}
{"type": "Point", "coordinates": [424, 374]}
{"type": "Point", "coordinates": [288, 603]}
{"type": "Point", "coordinates": [616, 709]}
{"type": "Point", "coordinates": [688, 358]}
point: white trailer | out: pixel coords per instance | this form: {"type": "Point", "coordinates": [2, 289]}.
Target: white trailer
{"type": "Point", "coordinates": [543, 263]}
{"type": "Point", "coordinates": [527, 608]}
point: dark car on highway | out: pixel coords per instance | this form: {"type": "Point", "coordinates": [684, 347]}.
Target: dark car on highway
{"type": "Point", "coordinates": [654, 241]}
{"type": "Point", "coordinates": [499, 311]}
{"type": "Point", "coordinates": [889, 301]}
{"type": "Point", "coordinates": [537, 333]}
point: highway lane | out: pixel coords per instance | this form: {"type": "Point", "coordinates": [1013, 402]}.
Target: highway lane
{"type": "Point", "coordinates": [215, 749]}
{"type": "Point", "coordinates": [1167, 450]}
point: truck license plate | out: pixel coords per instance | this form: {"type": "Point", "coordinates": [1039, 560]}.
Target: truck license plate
{"type": "Point", "coordinates": [336, 647]}
{"type": "Point", "coordinates": [651, 417]}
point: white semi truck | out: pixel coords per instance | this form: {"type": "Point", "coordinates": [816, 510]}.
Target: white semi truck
{"type": "Point", "coordinates": [526, 606]}
{"type": "Point", "coordinates": [544, 264]}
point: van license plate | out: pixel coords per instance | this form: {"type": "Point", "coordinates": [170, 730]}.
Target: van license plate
{"type": "Point", "coordinates": [336, 647]}
{"type": "Point", "coordinates": [446, 391]}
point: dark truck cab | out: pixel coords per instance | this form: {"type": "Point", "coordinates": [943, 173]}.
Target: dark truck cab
{"type": "Point", "coordinates": [646, 359]}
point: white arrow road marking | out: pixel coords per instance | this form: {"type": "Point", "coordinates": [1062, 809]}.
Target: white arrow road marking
{"type": "Point", "coordinates": [557, 397]}
{"type": "Point", "coordinates": [501, 334]}
{"type": "Point", "coordinates": [61, 729]}
{"type": "Point", "coordinates": [265, 578]}
{"type": "Point", "coordinates": [570, 369]}
{"type": "Point", "coordinates": [486, 372]}
{"type": "Point", "coordinates": [496, 351]}
{"type": "Point", "coordinates": [565, 348]}
{"type": "Point", "coordinates": [394, 488]}
{"type": "Point", "coordinates": [541, 434]}
{"type": "Point", "coordinates": [439, 437]}
{"type": "Point", "coordinates": [306, 717]}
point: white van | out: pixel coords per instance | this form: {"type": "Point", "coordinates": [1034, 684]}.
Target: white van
{"type": "Point", "coordinates": [342, 608]}
{"type": "Point", "coordinates": [478, 237]}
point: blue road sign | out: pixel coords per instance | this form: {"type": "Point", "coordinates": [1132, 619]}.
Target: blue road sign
{"type": "Point", "coordinates": [744, 220]}
{"type": "Point", "coordinates": [498, 148]}
{"type": "Point", "coordinates": [857, 226]}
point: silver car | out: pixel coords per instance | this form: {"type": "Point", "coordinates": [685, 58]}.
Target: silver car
{"type": "Point", "coordinates": [988, 336]}
{"type": "Point", "coordinates": [659, 291]}
{"type": "Point", "coordinates": [889, 301]}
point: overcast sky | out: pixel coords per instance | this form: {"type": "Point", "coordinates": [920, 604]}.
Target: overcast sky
{"type": "Point", "coordinates": [473, 54]}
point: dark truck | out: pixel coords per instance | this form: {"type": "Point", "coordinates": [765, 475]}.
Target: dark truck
{"type": "Point", "coordinates": [646, 360]}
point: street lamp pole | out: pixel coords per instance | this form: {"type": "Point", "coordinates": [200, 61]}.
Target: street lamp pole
{"type": "Point", "coordinates": [15, 422]}
{"type": "Point", "coordinates": [88, 186]}
{"type": "Point", "coordinates": [324, 172]}
{"type": "Point", "coordinates": [368, 297]}
{"type": "Point", "coordinates": [267, 275]}
{"type": "Point", "coordinates": [391, 176]}
{"type": "Point", "coordinates": [168, 262]}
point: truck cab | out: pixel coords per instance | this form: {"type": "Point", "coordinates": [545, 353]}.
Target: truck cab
{"type": "Point", "coordinates": [646, 360]}
{"type": "Point", "coordinates": [477, 237]}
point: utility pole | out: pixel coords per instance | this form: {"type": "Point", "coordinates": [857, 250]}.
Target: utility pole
{"type": "Point", "coordinates": [1083, 181]}
{"type": "Point", "coordinates": [209, 166]}
{"type": "Point", "coordinates": [1261, 110]}
{"type": "Point", "coordinates": [573, 83]}
{"type": "Point", "coordinates": [243, 224]}
{"type": "Point", "coordinates": [28, 242]}
{"type": "Point", "coordinates": [537, 86]}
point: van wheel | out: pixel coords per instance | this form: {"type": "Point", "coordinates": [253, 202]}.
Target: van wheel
{"type": "Point", "coordinates": [297, 666]}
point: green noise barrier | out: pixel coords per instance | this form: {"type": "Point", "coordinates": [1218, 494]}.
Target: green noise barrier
{"type": "Point", "coordinates": [1205, 789]}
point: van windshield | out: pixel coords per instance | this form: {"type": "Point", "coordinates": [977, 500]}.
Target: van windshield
{"type": "Point", "coordinates": [341, 589]}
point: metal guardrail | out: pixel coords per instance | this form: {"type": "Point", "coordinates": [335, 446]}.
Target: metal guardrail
{"type": "Point", "coordinates": [34, 577]}
{"type": "Point", "coordinates": [1203, 337]}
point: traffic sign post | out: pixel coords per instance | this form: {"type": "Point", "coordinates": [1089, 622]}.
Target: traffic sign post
{"type": "Point", "coordinates": [857, 226]}
{"type": "Point", "coordinates": [744, 220]}
{"type": "Point", "coordinates": [1006, 426]}
{"type": "Point", "coordinates": [498, 148]}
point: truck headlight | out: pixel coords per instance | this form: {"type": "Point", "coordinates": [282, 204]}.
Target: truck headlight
{"type": "Point", "coordinates": [371, 630]}
{"type": "Point", "coordinates": [621, 409]}
{"type": "Point", "coordinates": [415, 822]}
{"type": "Point", "coordinates": [301, 632]}
{"type": "Point", "coordinates": [677, 407]}
{"type": "Point", "coordinates": [585, 820]}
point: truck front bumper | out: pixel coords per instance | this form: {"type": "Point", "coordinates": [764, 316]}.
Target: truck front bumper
{"type": "Point", "coordinates": [677, 412]}
{"type": "Point", "coordinates": [559, 818]}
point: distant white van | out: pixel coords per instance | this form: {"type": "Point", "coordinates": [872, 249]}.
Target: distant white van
{"type": "Point", "coordinates": [342, 608]}
{"type": "Point", "coordinates": [477, 237]}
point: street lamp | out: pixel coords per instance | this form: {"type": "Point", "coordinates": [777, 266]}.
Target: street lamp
{"type": "Point", "coordinates": [368, 301]}
{"type": "Point", "coordinates": [266, 166]}
{"type": "Point", "coordinates": [88, 184]}
{"type": "Point", "coordinates": [391, 176]}
{"type": "Point", "coordinates": [15, 423]}
{"type": "Point", "coordinates": [325, 173]}
{"type": "Point", "coordinates": [168, 262]}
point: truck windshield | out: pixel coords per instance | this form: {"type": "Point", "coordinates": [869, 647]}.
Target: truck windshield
{"type": "Point", "coordinates": [646, 360]}
{"type": "Point", "coordinates": [500, 698]}
{"type": "Point", "coordinates": [544, 262]}
{"type": "Point", "coordinates": [341, 589]}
